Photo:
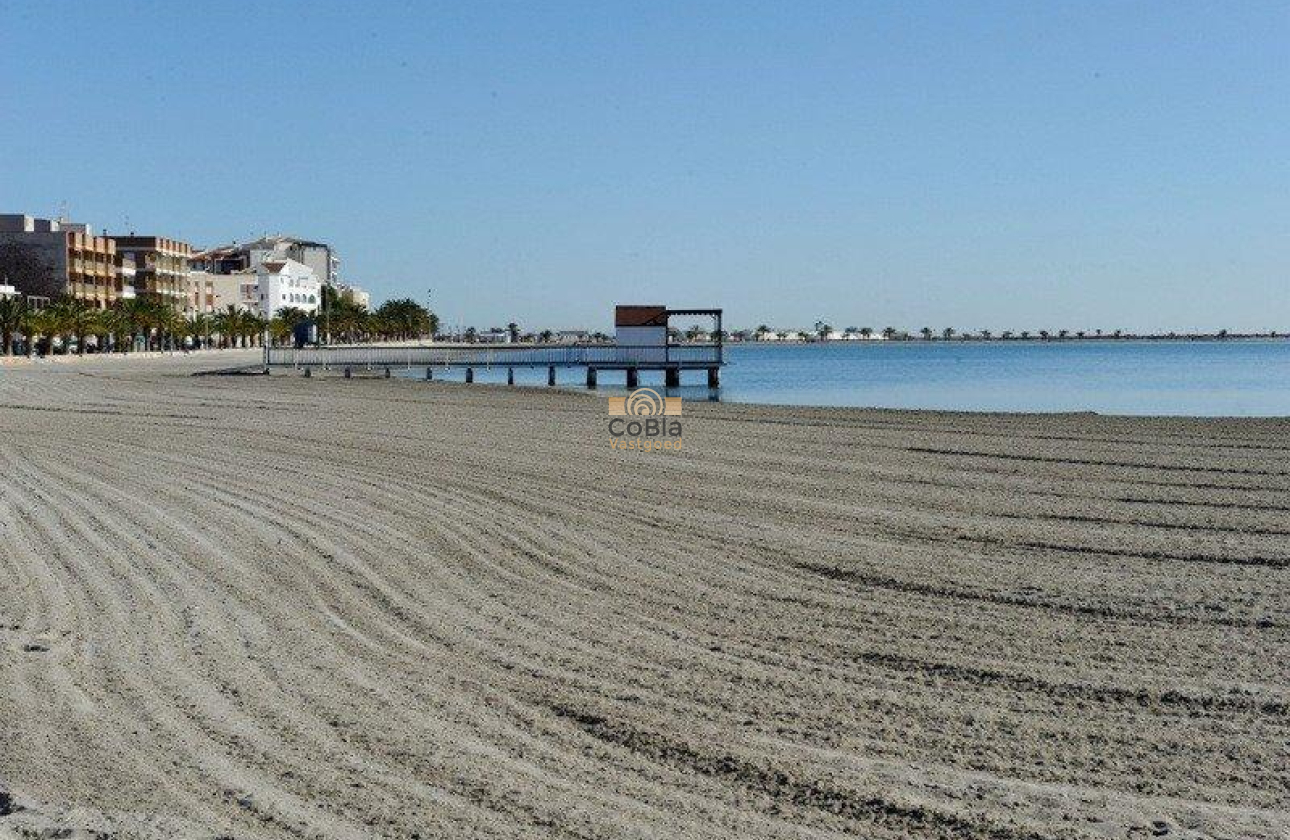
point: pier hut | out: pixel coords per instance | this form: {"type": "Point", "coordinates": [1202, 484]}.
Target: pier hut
{"type": "Point", "coordinates": [641, 333]}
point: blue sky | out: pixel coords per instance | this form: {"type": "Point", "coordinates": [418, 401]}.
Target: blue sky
{"type": "Point", "coordinates": [985, 165]}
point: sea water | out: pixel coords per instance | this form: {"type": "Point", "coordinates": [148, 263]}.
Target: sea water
{"type": "Point", "coordinates": [1109, 376]}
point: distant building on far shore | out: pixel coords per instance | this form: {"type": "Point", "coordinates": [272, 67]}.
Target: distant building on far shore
{"type": "Point", "coordinates": [493, 336]}
{"type": "Point", "coordinates": [572, 336]}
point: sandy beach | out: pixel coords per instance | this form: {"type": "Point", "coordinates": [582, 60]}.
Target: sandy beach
{"type": "Point", "coordinates": [324, 608]}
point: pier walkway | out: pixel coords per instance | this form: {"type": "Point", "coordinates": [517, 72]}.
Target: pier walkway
{"type": "Point", "coordinates": [671, 358]}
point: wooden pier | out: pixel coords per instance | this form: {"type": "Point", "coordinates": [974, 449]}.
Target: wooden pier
{"type": "Point", "coordinates": [672, 359]}
{"type": "Point", "coordinates": [643, 343]}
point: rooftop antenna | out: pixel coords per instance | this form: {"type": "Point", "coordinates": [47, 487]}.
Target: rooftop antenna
{"type": "Point", "coordinates": [62, 211]}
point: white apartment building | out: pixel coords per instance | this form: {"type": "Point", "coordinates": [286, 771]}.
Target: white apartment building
{"type": "Point", "coordinates": [283, 283]}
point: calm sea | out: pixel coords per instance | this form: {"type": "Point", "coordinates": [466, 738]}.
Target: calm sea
{"type": "Point", "coordinates": [1213, 378]}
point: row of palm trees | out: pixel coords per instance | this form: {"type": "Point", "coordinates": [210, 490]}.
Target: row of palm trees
{"type": "Point", "coordinates": [822, 330]}
{"type": "Point", "coordinates": [147, 323]}
{"type": "Point", "coordinates": [136, 324]}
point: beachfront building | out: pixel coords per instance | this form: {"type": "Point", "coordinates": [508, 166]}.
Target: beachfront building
{"type": "Point", "coordinates": [199, 294]}
{"type": "Point", "coordinates": [355, 295]}
{"type": "Point", "coordinates": [125, 270]}
{"type": "Point", "coordinates": [160, 266]}
{"type": "Point", "coordinates": [49, 258]}
{"type": "Point", "coordinates": [240, 290]}
{"type": "Point", "coordinates": [249, 256]}
{"type": "Point", "coordinates": [285, 283]}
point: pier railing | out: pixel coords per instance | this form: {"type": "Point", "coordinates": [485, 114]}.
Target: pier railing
{"type": "Point", "coordinates": [575, 355]}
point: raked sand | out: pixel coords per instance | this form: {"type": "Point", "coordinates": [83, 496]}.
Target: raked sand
{"type": "Point", "coordinates": [286, 607]}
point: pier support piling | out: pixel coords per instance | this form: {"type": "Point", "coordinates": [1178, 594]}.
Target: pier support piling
{"type": "Point", "coordinates": [550, 376]}
{"type": "Point", "coordinates": [714, 377]}
{"type": "Point", "coordinates": [510, 376]}
{"type": "Point", "coordinates": [387, 373]}
{"type": "Point", "coordinates": [349, 373]}
{"type": "Point", "coordinates": [672, 377]}
{"type": "Point", "coordinates": [633, 378]}
{"type": "Point", "coordinates": [308, 372]}
{"type": "Point", "coordinates": [470, 375]}
{"type": "Point", "coordinates": [591, 378]}
{"type": "Point", "coordinates": [429, 374]}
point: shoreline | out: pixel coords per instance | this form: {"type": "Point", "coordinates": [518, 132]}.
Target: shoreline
{"type": "Point", "coordinates": [245, 362]}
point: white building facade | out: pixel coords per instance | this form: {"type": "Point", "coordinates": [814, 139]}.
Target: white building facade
{"type": "Point", "coordinates": [283, 283]}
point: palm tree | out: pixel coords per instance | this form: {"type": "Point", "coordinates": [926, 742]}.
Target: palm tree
{"type": "Point", "coordinates": [822, 330]}
{"type": "Point", "coordinates": [513, 330]}
{"type": "Point", "coordinates": [180, 329]}
{"type": "Point", "coordinates": [43, 324]}
{"type": "Point", "coordinates": [82, 320]}
{"type": "Point", "coordinates": [405, 318]}
{"type": "Point", "coordinates": [889, 333]}
{"type": "Point", "coordinates": [280, 330]}
{"type": "Point", "coordinates": [1043, 334]}
{"type": "Point", "coordinates": [927, 333]}
{"type": "Point", "coordinates": [986, 334]}
{"type": "Point", "coordinates": [113, 323]}
{"type": "Point", "coordinates": [12, 311]}
{"type": "Point", "coordinates": [63, 319]}
{"type": "Point", "coordinates": [546, 336]}
{"type": "Point", "coordinates": [201, 327]}
{"type": "Point", "coordinates": [230, 324]}
{"type": "Point", "coordinates": [947, 333]}
{"type": "Point", "coordinates": [253, 329]}
{"type": "Point", "coordinates": [761, 331]}
{"type": "Point", "coordinates": [292, 315]}
{"type": "Point", "coordinates": [135, 314]}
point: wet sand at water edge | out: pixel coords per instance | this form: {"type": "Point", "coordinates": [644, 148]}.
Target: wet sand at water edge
{"type": "Point", "coordinates": [284, 607]}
